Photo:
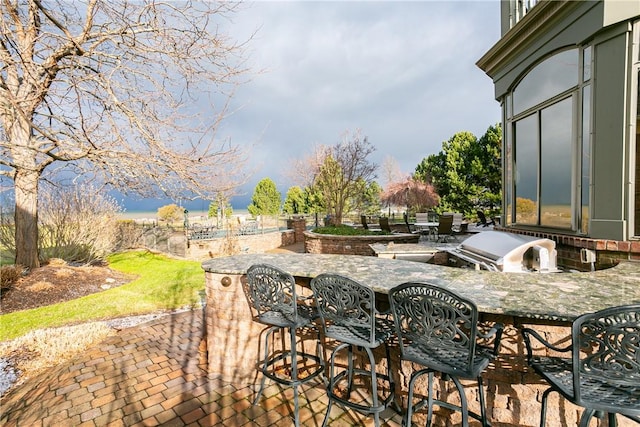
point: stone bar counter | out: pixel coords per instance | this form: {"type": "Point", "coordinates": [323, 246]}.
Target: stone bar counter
{"type": "Point", "coordinates": [547, 302]}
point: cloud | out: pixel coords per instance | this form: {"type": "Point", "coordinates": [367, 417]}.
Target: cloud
{"type": "Point", "coordinates": [402, 72]}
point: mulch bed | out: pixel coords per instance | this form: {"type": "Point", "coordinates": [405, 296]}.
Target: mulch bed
{"type": "Point", "coordinates": [51, 284]}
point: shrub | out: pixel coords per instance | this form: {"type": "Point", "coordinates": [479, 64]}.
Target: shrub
{"type": "Point", "coordinates": [170, 213]}
{"type": "Point", "coordinates": [77, 224]}
{"type": "Point", "coordinates": [9, 275]}
{"type": "Point", "coordinates": [345, 230]}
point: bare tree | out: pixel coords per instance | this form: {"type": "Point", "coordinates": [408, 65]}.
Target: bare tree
{"type": "Point", "coordinates": [345, 164]}
{"type": "Point", "coordinates": [303, 171]}
{"type": "Point", "coordinates": [391, 171]}
{"type": "Point", "coordinates": [106, 90]}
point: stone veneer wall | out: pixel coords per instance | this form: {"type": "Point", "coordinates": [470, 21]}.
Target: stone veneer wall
{"type": "Point", "coordinates": [251, 244]}
{"type": "Point", "coordinates": [608, 252]}
{"type": "Point", "coordinates": [351, 245]}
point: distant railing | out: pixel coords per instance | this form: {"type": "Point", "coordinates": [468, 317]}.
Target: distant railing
{"type": "Point", "coordinates": [518, 9]}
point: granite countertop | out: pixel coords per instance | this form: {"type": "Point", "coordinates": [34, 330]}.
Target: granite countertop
{"type": "Point", "coordinates": [552, 296]}
{"type": "Point", "coordinates": [389, 248]}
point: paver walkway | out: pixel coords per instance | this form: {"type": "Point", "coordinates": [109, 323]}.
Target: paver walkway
{"type": "Point", "coordinates": [154, 374]}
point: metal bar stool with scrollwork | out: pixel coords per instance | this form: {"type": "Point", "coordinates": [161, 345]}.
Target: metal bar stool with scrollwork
{"type": "Point", "coordinates": [349, 316]}
{"type": "Point", "coordinates": [272, 296]}
{"type": "Point", "coordinates": [438, 329]}
{"type": "Point", "coordinates": [602, 372]}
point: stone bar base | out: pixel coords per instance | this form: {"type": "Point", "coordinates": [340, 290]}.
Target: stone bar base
{"type": "Point", "coordinates": [513, 391]}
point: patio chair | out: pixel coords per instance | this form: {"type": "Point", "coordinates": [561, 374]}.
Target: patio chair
{"type": "Point", "coordinates": [601, 372]}
{"type": "Point", "coordinates": [445, 229]}
{"type": "Point", "coordinates": [384, 224]}
{"type": "Point", "coordinates": [438, 329]}
{"type": "Point", "coordinates": [349, 316]}
{"type": "Point", "coordinates": [405, 216]}
{"type": "Point", "coordinates": [482, 220]}
{"type": "Point", "coordinates": [367, 226]}
{"type": "Point", "coordinates": [272, 296]}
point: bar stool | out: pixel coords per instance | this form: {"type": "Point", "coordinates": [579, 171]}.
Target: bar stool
{"type": "Point", "coordinates": [349, 316]}
{"type": "Point", "coordinates": [602, 370]}
{"type": "Point", "coordinates": [271, 293]}
{"type": "Point", "coordinates": [438, 329]}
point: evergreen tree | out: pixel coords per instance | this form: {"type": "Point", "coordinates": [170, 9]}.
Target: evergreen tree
{"type": "Point", "coordinates": [294, 202]}
{"type": "Point", "coordinates": [466, 173]}
{"type": "Point", "coordinates": [266, 199]}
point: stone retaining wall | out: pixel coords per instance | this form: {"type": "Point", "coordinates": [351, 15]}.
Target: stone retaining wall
{"type": "Point", "coordinates": [351, 245]}
{"type": "Point", "coordinates": [232, 245]}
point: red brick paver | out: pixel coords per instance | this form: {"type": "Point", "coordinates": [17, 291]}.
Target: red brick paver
{"type": "Point", "coordinates": [155, 374]}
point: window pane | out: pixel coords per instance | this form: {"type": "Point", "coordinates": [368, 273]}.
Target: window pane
{"type": "Point", "coordinates": [555, 168]}
{"type": "Point", "coordinates": [508, 175]}
{"type": "Point", "coordinates": [549, 78]}
{"type": "Point", "coordinates": [586, 157]}
{"type": "Point", "coordinates": [526, 170]}
{"type": "Point", "coordinates": [586, 63]}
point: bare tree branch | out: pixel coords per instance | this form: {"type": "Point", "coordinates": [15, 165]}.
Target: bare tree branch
{"type": "Point", "coordinates": [127, 92]}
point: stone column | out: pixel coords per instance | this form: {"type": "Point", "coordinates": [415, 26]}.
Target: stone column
{"type": "Point", "coordinates": [298, 225]}
{"type": "Point", "coordinates": [233, 338]}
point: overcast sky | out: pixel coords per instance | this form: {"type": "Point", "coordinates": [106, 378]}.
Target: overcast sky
{"type": "Point", "coordinates": [403, 73]}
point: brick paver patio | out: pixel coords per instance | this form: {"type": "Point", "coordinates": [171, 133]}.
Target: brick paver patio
{"type": "Point", "coordinates": [155, 374]}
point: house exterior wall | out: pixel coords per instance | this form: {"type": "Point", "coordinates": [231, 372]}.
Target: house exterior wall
{"type": "Point", "coordinates": [607, 26]}
{"type": "Point", "coordinates": [610, 138]}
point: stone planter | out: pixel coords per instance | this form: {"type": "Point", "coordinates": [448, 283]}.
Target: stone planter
{"type": "Point", "coordinates": [315, 243]}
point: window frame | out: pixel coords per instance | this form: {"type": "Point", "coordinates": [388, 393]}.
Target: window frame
{"type": "Point", "coordinates": [578, 143]}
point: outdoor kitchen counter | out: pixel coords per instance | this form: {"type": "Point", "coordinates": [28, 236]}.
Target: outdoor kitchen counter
{"type": "Point", "coordinates": [549, 296]}
{"type": "Point", "coordinates": [547, 302]}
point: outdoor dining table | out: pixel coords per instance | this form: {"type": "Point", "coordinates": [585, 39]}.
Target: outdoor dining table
{"type": "Point", "coordinates": [549, 301]}
{"type": "Point", "coordinates": [431, 227]}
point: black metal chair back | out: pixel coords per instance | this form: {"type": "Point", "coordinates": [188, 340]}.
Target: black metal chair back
{"type": "Point", "coordinates": [349, 316]}
{"type": "Point", "coordinates": [346, 308]}
{"type": "Point", "coordinates": [433, 318]}
{"type": "Point", "coordinates": [272, 297]}
{"type": "Point", "coordinates": [482, 219]}
{"type": "Point", "coordinates": [384, 224]}
{"type": "Point", "coordinates": [445, 226]}
{"type": "Point", "coordinates": [606, 346]}
{"type": "Point", "coordinates": [602, 373]}
{"type": "Point", "coordinates": [363, 221]}
{"type": "Point", "coordinates": [438, 329]}
{"type": "Point", "coordinates": [272, 293]}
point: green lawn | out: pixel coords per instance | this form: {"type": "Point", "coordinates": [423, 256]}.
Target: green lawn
{"type": "Point", "coordinates": [162, 284]}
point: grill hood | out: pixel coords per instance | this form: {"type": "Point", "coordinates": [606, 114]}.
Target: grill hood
{"type": "Point", "coordinates": [507, 252]}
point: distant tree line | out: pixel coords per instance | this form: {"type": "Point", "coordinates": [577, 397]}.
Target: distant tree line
{"type": "Point", "coordinates": [465, 176]}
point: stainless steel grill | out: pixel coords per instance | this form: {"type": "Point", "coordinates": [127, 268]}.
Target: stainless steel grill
{"type": "Point", "coordinates": [506, 252]}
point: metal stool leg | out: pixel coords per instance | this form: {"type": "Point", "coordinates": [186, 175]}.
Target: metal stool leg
{"type": "Point", "coordinates": [430, 399]}
{"type": "Point", "coordinates": [265, 361]}
{"type": "Point", "coordinates": [463, 402]}
{"type": "Point", "coordinates": [294, 375]}
{"type": "Point", "coordinates": [543, 411]}
{"type": "Point", "coordinates": [374, 386]}
{"type": "Point", "coordinates": [331, 380]}
{"type": "Point", "coordinates": [483, 407]}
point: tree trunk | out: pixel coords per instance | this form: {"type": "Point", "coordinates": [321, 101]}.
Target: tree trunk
{"type": "Point", "coordinates": [26, 218]}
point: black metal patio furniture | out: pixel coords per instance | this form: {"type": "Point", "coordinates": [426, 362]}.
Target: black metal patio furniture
{"type": "Point", "coordinates": [366, 225]}
{"type": "Point", "coordinates": [601, 371]}
{"type": "Point", "coordinates": [272, 296]}
{"type": "Point", "coordinates": [384, 224]}
{"type": "Point", "coordinates": [445, 229]}
{"type": "Point", "coordinates": [438, 329]}
{"type": "Point", "coordinates": [349, 316]}
{"type": "Point", "coordinates": [482, 220]}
